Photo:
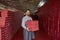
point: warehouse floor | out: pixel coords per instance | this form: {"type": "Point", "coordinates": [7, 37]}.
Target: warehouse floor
{"type": "Point", "coordinates": [39, 35]}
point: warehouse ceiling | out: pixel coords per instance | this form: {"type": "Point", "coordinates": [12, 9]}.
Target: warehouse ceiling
{"type": "Point", "coordinates": [21, 4]}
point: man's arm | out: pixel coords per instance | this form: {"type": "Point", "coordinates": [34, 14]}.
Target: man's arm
{"type": "Point", "coordinates": [23, 24]}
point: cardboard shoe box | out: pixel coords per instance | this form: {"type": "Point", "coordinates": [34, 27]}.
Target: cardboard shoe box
{"type": "Point", "coordinates": [32, 25]}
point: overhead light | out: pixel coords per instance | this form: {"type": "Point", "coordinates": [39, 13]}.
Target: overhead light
{"type": "Point", "coordinates": [41, 3]}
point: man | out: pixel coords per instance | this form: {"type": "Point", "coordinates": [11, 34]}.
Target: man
{"type": "Point", "coordinates": [28, 35]}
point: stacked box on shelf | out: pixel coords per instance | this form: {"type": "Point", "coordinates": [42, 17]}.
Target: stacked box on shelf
{"type": "Point", "coordinates": [11, 25]}
{"type": "Point", "coordinates": [2, 22]}
{"type": "Point", "coordinates": [51, 13]}
{"type": "Point", "coordinates": [6, 29]}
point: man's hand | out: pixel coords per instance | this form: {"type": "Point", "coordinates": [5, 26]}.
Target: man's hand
{"type": "Point", "coordinates": [27, 29]}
